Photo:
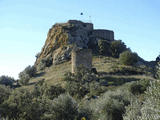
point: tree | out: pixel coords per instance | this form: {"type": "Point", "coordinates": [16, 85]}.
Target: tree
{"type": "Point", "coordinates": [117, 47]}
{"type": "Point", "coordinates": [128, 58]}
{"type": "Point", "coordinates": [8, 81]}
{"type": "Point", "coordinates": [26, 74]}
{"type": "Point", "coordinates": [104, 47]}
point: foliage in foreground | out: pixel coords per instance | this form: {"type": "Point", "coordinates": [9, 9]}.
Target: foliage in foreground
{"type": "Point", "coordinates": [110, 106]}
{"type": "Point", "coordinates": [82, 83]}
{"type": "Point", "coordinates": [4, 93]}
{"type": "Point", "coordinates": [137, 100]}
{"type": "Point", "coordinates": [149, 108]}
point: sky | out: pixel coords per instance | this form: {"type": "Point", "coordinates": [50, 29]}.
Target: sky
{"type": "Point", "coordinates": [24, 25]}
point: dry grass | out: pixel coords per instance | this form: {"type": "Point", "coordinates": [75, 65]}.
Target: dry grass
{"type": "Point", "coordinates": [55, 74]}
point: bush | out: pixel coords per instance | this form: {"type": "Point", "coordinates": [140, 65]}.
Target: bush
{"type": "Point", "coordinates": [158, 58]}
{"type": "Point", "coordinates": [149, 108]}
{"type": "Point", "coordinates": [111, 105]}
{"type": "Point", "coordinates": [117, 47]}
{"type": "Point", "coordinates": [4, 93]}
{"type": "Point", "coordinates": [5, 80]}
{"type": "Point", "coordinates": [104, 47]}
{"type": "Point", "coordinates": [136, 89]}
{"type": "Point", "coordinates": [41, 89]}
{"type": "Point", "coordinates": [128, 58]}
{"type": "Point", "coordinates": [64, 108]}
{"type": "Point", "coordinates": [79, 84]}
{"type": "Point", "coordinates": [113, 109]}
{"type": "Point", "coordinates": [22, 105]}
{"type": "Point", "coordinates": [26, 74]}
{"type": "Point", "coordinates": [45, 62]}
{"type": "Point", "coordinates": [157, 71]}
{"type": "Point", "coordinates": [30, 71]}
{"type": "Point", "coordinates": [133, 110]}
{"type": "Point", "coordinates": [24, 79]}
{"type": "Point", "coordinates": [139, 87]}
{"type": "Point", "coordinates": [85, 113]}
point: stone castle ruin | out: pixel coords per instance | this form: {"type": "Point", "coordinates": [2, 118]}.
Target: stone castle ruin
{"type": "Point", "coordinates": [81, 57]}
{"type": "Point", "coordinates": [58, 46]}
{"type": "Point", "coordinates": [103, 34]}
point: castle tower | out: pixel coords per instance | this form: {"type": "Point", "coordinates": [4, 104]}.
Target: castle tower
{"type": "Point", "coordinates": [81, 57]}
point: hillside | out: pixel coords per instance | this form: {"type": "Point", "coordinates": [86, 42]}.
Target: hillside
{"type": "Point", "coordinates": [62, 37]}
{"type": "Point", "coordinates": [83, 74]}
{"type": "Point", "coordinates": [106, 66]}
{"type": "Point", "coordinates": [54, 59]}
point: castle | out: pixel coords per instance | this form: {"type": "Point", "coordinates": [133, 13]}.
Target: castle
{"type": "Point", "coordinates": [96, 33]}
{"type": "Point", "coordinates": [83, 57]}
{"type": "Point", "coordinates": [58, 46]}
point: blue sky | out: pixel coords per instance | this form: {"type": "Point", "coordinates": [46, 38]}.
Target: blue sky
{"type": "Point", "coordinates": [24, 25]}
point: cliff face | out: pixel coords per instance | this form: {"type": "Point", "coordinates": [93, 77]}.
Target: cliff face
{"type": "Point", "coordinates": [62, 37]}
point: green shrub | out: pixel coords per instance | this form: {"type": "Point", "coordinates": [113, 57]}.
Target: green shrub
{"type": "Point", "coordinates": [5, 80]}
{"type": "Point", "coordinates": [24, 78]}
{"type": "Point", "coordinates": [139, 87]}
{"type": "Point", "coordinates": [45, 62]}
{"type": "Point", "coordinates": [133, 110]}
{"type": "Point", "coordinates": [149, 108]}
{"type": "Point", "coordinates": [111, 106]}
{"type": "Point", "coordinates": [128, 58]}
{"type": "Point", "coordinates": [128, 70]}
{"type": "Point", "coordinates": [85, 112]}
{"type": "Point", "coordinates": [157, 70]}
{"type": "Point", "coordinates": [20, 106]}
{"type": "Point", "coordinates": [79, 83]}
{"type": "Point", "coordinates": [64, 108]}
{"type": "Point", "coordinates": [113, 109]}
{"type": "Point", "coordinates": [30, 71]}
{"type": "Point", "coordinates": [136, 89]}
{"type": "Point", "coordinates": [26, 74]}
{"type": "Point", "coordinates": [41, 89]}
{"type": "Point", "coordinates": [117, 47]}
{"type": "Point", "coordinates": [158, 58]}
{"type": "Point", "coordinates": [104, 47]}
{"type": "Point", "coordinates": [4, 93]}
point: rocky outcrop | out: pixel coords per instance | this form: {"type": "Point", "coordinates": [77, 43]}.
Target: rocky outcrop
{"type": "Point", "coordinates": [63, 36]}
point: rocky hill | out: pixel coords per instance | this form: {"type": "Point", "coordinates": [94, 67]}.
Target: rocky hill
{"type": "Point", "coordinates": [109, 85]}
{"type": "Point", "coordinates": [63, 36]}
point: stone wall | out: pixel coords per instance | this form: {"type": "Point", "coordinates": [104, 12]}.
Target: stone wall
{"type": "Point", "coordinates": [81, 57]}
{"type": "Point", "coordinates": [103, 34]}
{"type": "Point", "coordinates": [62, 36]}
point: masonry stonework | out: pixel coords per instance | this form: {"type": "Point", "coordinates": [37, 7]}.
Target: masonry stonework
{"type": "Point", "coordinates": [81, 57]}
{"type": "Point", "coordinates": [104, 34]}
